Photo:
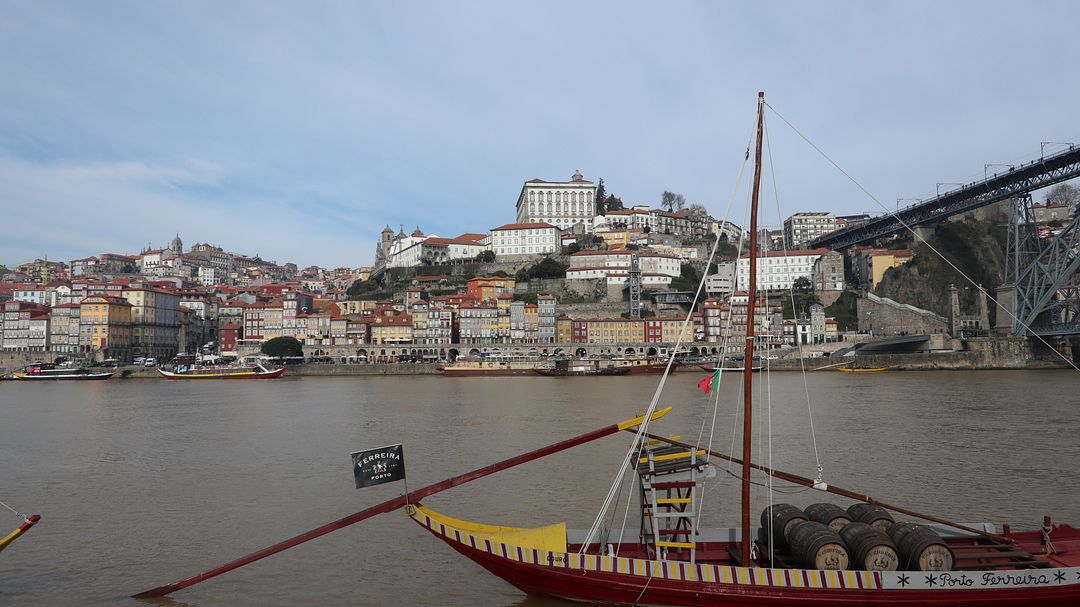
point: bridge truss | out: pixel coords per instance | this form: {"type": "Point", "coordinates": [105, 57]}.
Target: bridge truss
{"type": "Point", "coordinates": [1045, 272]}
{"type": "Point", "coordinates": [1017, 181]}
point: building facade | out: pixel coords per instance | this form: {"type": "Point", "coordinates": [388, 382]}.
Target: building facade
{"type": "Point", "coordinates": [526, 238]}
{"type": "Point", "coordinates": [778, 270]}
{"type": "Point", "coordinates": [801, 228]}
{"type": "Point", "coordinates": [563, 204]}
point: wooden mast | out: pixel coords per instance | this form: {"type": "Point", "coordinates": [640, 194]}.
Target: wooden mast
{"type": "Point", "coordinates": [748, 354]}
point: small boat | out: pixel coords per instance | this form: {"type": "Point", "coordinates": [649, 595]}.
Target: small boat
{"type": "Point", "coordinates": [258, 371]}
{"type": "Point", "coordinates": [52, 372]}
{"type": "Point", "coordinates": [472, 366]}
{"type": "Point", "coordinates": [862, 369]}
{"type": "Point", "coordinates": [581, 368]}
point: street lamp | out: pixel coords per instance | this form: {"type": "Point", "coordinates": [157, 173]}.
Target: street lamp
{"type": "Point", "coordinates": [987, 166]}
{"type": "Point", "coordinates": [1043, 144]}
{"type": "Point", "coordinates": [941, 183]}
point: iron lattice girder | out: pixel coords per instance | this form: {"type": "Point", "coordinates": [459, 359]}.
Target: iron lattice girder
{"type": "Point", "coordinates": [1046, 287]}
{"type": "Point", "coordinates": [1034, 175]}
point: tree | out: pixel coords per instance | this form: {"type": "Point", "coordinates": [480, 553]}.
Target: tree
{"type": "Point", "coordinates": [797, 304]}
{"type": "Point", "coordinates": [697, 212]}
{"type": "Point", "coordinates": [485, 256]}
{"type": "Point", "coordinates": [1065, 194]}
{"type": "Point", "coordinates": [282, 347]}
{"type": "Point", "coordinates": [547, 268]}
{"type": "Point", "coordinates": [672, 201]}
{"type": "Point", "coordinates": [601, 198]}
{"type": "Point", "coordinates": [613, 203]}
{"type": "Point", "coordinates": [362, 287]}
{"type": "Point", "coordinates": [571, 248]}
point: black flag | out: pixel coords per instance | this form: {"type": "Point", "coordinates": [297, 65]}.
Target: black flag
{"type": "Point", "coordinates": [378, 466]}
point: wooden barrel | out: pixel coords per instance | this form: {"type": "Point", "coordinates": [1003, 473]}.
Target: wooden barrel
{"type": "Point", "coordinates": [921, 548]}
{"type": "Point", "coordinates": [872, 515]}
{"type": "Point", "coordinates": [871, 548]}
{"type": "Point", "coordinates": [830, 515]}
{"type": "Point", "coordinates": [815, 546]}
{"type": "Point", "coordinates": [781, 518]}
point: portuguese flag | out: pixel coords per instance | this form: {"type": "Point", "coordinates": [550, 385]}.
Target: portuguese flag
{"type": "Point", "coordinates": [710, 383]}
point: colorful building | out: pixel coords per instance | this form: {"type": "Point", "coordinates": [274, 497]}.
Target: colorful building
{"type": "Point", "coordinates": [105, 326]}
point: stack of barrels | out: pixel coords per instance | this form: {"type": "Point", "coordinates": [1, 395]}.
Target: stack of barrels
{"type": "Point", "coordinates": [863, 537]}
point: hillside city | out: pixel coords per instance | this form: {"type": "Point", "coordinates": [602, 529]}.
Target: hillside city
{"type": "Point", "coordinates": [576, 266]}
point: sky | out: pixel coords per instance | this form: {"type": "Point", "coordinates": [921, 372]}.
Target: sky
{"type": "Point", "coordinates": [297, 130]}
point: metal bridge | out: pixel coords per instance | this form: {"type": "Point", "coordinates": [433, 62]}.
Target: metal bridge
{"type": "Point", "coordinates": [1043, 274]}
{"type": "Point", "coordinates": [1017, 181]}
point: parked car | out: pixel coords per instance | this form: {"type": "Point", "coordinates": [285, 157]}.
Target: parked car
{"type": "Point", "coordinates": [150, 362]}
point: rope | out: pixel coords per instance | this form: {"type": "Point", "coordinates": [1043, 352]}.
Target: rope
{"type": "Point", "coordinates": [791, 294]}
{"type": "Point", "coordinates": [922, 240]}
{"type": "Point", "coordinates": [17, 513]}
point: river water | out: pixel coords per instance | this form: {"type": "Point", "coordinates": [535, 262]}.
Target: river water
{"type": "Point", "coordinates": [141, 482]}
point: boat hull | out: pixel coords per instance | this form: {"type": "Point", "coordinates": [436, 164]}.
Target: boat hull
{"type": "Point", "coordinates": [71, 377]}
{"type": "Point", "coordinates": [588, 373]}
{"type": "Point", "coordinates": [857, 370]}
{"type": "Point", "coordinates": [240, 375]}
{"type": "Point", "coordinates": [449, 372]}
{"type": "Point", "coordinates": [628, 581]}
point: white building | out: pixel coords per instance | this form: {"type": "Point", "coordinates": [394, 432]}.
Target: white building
{"type": "Point", "coordinates": [723, 282]}
{"type": "Point", "coordinates": [614, 267]}
{"type": "Point", "coordinates": [560, 203]}
{"type": "Point", "coordinates": [777, 270]}
{"type": "Point", "coordinates": [619, 261]}
{"type": "Point", "coordinates": [537, 238]}
{"type": "Point", "coordinates": [466, 246]}
{"type": "Point", "coordinates": [212, 275]}
{"type": "Point", "coordinates": [801, 228]}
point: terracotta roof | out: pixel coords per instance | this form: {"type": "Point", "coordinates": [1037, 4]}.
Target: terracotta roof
{"type": "Point", "coordinates": [458, 240]}
{"type": "Point", "coordinates": [524, 226]}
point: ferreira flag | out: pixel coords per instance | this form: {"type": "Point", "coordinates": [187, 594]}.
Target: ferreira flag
{"type": "Point", "coordinates": [710, 383]}
{"type": "Point", "coordinates": [378, 466]}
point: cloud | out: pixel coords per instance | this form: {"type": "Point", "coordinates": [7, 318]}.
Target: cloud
{"type": "Point", "coordinates": [71, 210]}
{"type": "Point", "coordinates": [298, 131]}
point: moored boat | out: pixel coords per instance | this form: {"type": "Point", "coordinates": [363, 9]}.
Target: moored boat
{"type": "Point", "coordinates": [52, 372]}
{"type": "Point", "coordinates": [793, 558]}
{"type": "Point", "coordinates": [648, 365]}
{"type": "Point", "coordinates": [469, 366]}
{"type": "Point", "coordinates": [258, 371]}
{"type": "Point", "coordinates": [581, 368]}
{"type": "Point", "coordinates": [862, 369]}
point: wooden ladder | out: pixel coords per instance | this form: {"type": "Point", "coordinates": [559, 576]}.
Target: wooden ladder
{"type": "Point", "coordinates": [670, 477]}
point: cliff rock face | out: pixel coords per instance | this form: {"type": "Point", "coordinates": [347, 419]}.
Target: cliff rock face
{"type": "Point", "coordinates": [976, 248]}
